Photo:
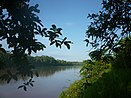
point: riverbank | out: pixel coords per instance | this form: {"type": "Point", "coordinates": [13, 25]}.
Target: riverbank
{"type": "Point", "coordinates": [115, 83]}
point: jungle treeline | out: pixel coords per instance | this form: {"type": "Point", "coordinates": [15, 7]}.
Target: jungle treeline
{"type": "Point", "coordinates": [37, 61]}
{"type": "Point", "coordinates": [45, 61]}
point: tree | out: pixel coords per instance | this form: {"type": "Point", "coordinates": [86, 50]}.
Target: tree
{"type": "Point", "coordinates": [110, 25]}
{"type": "Point", "coordinates": [109, 35]}
{"type": "Point", "coordinates": [19, 25]}
{"type": "Point", "coordinates": [109, 28]}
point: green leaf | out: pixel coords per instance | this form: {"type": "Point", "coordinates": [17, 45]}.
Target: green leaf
{"type": "Point", "coordinates": [8, 80]}
{"type": "Point", "coordinates": [31, 84]}
{"type": "Point", "coordinates": [36, 74]}
{"type": "Point", "coordinates": [54, 26]}
{"type": "Point", "coordinates": [52, 43]}
{"type": "Point", "coordinates": [63, 40]}
{"type": "Point", "coordinates": [20, 86]}
{"type": "Point", "coordinates": [68, 46]}
{"type": "Point", "coordinates": [69, 42]}
{"type": "Point", "coordinates": [59, 29]}
{"type": "Point", "coordinates": [25, 88]}
{"type": "Point", "coordinates": [57, 44]}
{"type": "Point", "coordinates": [31, 75]}
{"type": "Point", "coordinates": [30, 80]}
{"type": "Point", "coordinates": [36, 5]}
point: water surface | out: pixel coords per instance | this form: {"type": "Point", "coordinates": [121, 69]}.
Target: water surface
{"type": "Point", "coordinates": [50, 83]}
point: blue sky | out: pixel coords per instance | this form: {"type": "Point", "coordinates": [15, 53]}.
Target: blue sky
{"type": "Point", "coordinates": [71, 16]}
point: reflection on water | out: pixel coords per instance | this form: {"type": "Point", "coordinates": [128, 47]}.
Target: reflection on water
{"type": "Point", "coordinates": [48, 71]}
{"type": "Point", "coordinates": [49, 84]}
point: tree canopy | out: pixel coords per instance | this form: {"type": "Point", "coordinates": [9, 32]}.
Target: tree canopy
{"type": "Point", "coordinates": [107, 73]}
{"type": "Point", "coordinates": [110, 25]}
{"type": "Point", "coordinates": [19, 25]}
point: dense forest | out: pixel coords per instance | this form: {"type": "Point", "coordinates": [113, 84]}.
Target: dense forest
{"type": "Point", "coordinates": [38, 61]}
{"type": "Point", "coordinates": [45, 61]}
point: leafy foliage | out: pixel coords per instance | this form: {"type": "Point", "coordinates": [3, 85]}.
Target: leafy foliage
{"type": "Point", "coordinates": [110, 25]}
{"type": "Point", "coordinates": [107, 74]}
{"type": "Point", "coordinates": [110, 32]}
{"type": "Point", "coordinates": [114, 83]}
{"type": "Point", "coordinates": [123, 53]}
{"type": "Point", "coordinates": [19, 26]}
{"type": "Point", "coordinates": [29, 83]}
{"type": "Point", "coordinates": [100, 81]}
{"type": "Point", "coordinates": [90, 73]}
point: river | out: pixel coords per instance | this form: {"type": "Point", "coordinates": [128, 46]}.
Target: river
{"type": "Point", "coordinates": [50, 83]}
